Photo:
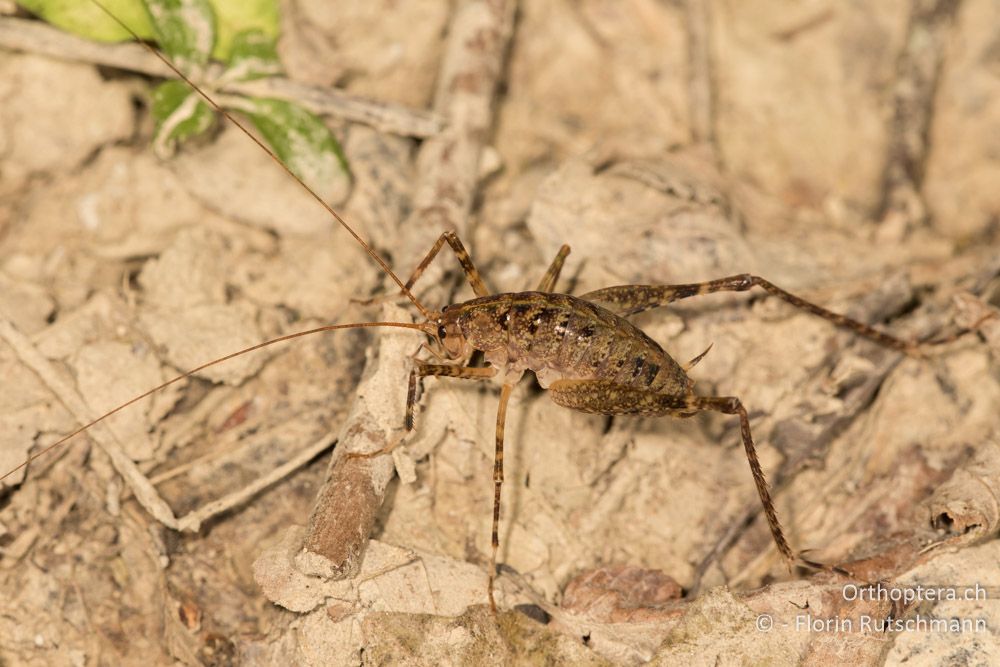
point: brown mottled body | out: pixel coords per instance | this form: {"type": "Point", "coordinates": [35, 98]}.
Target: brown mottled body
{"type": "Point", "coordinates": [563, 337]}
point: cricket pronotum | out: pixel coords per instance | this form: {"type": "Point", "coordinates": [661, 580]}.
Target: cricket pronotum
{"type": "Point", "coordinates": [583, 349]}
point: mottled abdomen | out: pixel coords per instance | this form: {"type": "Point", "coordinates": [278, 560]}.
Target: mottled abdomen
{"type": "Point", "coordinates": [562, 337]}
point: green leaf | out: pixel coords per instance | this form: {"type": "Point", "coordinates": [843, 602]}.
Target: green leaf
{"type": "Point", "coordinates": [254, 55]}
{"type": "Point", "coordinates": [180, 114]}
{"type": "Point", "coordinates": [300, 139]}
{"type": "Point", "coordinates": [185, 30]}
{"type": "Point", "coordinates": [87, 20]}
{"type": "Point", "coordinates": [237, 16]}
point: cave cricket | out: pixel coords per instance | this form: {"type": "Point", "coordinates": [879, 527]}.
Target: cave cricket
{"type": "Point", "coordinates": [582, 349]}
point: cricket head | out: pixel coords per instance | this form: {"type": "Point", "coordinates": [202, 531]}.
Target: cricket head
{"type": "Point", "coordinates": [449, 335]}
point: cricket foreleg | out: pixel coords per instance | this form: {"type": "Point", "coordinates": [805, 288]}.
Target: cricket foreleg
{"type": "Point", "coordinates": [421, 371]}
{"type": "Point", "coordinates": [602, 397]}
{"type": "Point", "coordinates": [471, 272]}
{"type": "Point", "coordinates": [630, 299]}
{"type": "Point", "coordinates": [548, 282]}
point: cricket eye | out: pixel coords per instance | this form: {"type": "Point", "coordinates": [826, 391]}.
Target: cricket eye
{"type": "Point", "coordinates": [441, 332]}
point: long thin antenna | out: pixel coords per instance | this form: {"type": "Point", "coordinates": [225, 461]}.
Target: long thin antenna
{"type": "Point", "coordinates": [232, 119]}
{"type": "Point", "coordinates": [281, 339]}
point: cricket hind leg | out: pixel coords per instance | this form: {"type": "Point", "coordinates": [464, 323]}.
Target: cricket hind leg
{"type": "Point", "coordinates": [602, 397]}
{"type": "Point", "coordinates": [548, 282]}
{"type": "Point", "coordinates": [631, 299]}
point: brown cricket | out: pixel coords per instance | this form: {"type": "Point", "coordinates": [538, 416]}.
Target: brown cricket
{"type": "Point", "coordinates": [592, 359]}
{"type": "Point", "coordinates": [581, 348]}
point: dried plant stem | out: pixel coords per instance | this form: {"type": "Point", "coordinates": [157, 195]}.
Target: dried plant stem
{"type": "Point", "coordinates": [138, 483]}
{"type": "Point", "coordinates": [39, 38]}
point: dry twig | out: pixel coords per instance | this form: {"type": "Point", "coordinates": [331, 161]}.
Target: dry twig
{"type": "Point", "coordinates": [35, 37]}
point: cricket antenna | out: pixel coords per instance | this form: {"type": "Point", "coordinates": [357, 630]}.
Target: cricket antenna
{"type": "Point", "coordinates": [232, 119]}
{"type": "Point", "coordinates": [427, 328]}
